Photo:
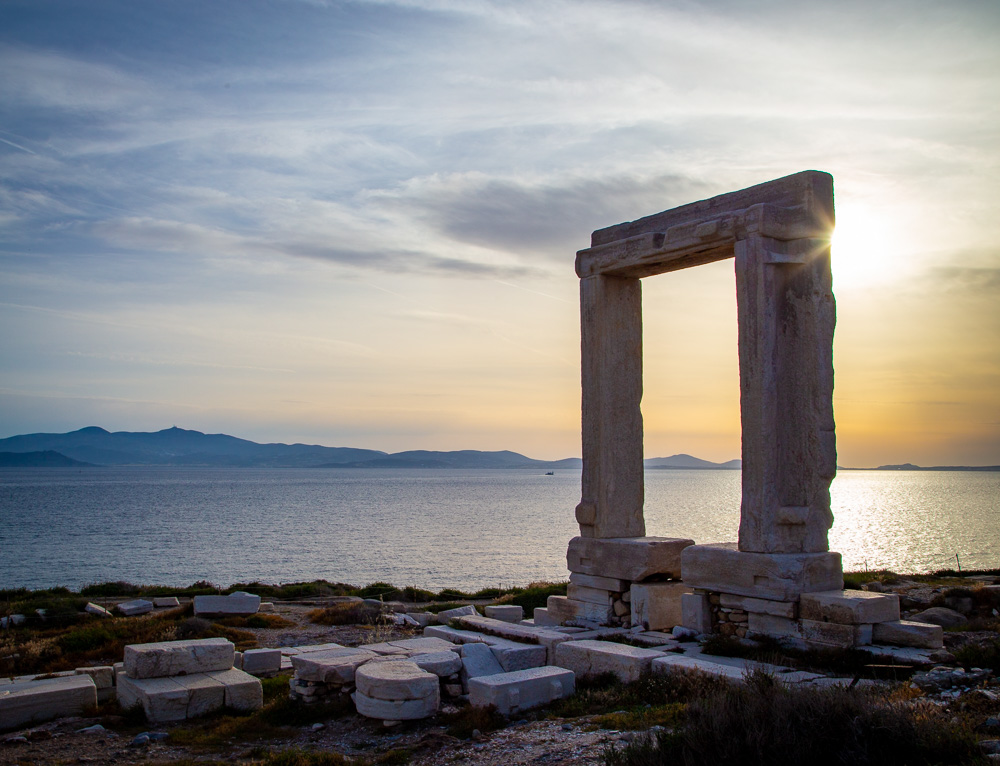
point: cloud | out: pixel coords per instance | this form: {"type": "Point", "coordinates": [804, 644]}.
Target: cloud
{"type": "Point", "coordinates": [552, 216]}
{"type": "Point", "coordinates": [373, 252]}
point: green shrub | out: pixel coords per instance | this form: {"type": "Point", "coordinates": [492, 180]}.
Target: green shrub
{"type": "Point", "coordinates": [536, 595]}
{"type": "Point", "coordinates": [350, 613]}
{"type": "Point", "coordinates": [980, 656]}
{"type": "Point", "coordinates": [85, 639]}
{"type": "Point", "coordinates": [110, 589]}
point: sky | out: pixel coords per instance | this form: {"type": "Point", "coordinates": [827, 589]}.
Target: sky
{"type": "Point", "coordinates": [355, 223]}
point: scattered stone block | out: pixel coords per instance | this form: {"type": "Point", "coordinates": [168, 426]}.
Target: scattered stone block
{"type": "Point", "coordinates": [772, 576]}
{"type": "Point", "coordinates": [397, 710]}
{"type": "Point", "coordinates": [261, 662]}
{"type": "Point", "coordinates": [478, 660]}
{"type": "Point", "coordinates": [423, 619]}
{"type": "Point", "coordinates": [161, 699]}
{"type": "Point", "coordinates": [521, 690]}
{"type": "Point", "coordinates": [673, 663]}
{"type": "Point", "coordinates": [135, 607]}
{"type": "Point", "coordinates": [568, 610]}
{"type": "Point", "coordinates": [238, 603]}
{"type": "Point", "coordinates": [853, 607]}
{"type": "Point", "coordinates": [423, 645]}
{"type": "Point", "coordinates": [243, 692]}
{"type": "Point", "coordinates": [908, 633]}
{"type": "Point", "coordinates": [657, 606]}
{"type": "Point", "coordinates": [448, 615]}
{"type": "Point", "coordinates": [174, 658]}
{"type": "Point", "coordinates": [696, 612]}
{"type": "Point", "coordinates": [398, 680]}
{"type": "Point", "coordinates": [453, 635]}
{"type": "Point", "coordinates": [547, 638]}
{"type": "Point", "coordinates": [30, 702]}
{"type": "Point", "coordinates": [513, 656]}
{"type": "Point", "coordinates": [104, 680]}
{"type": "Point", "coordinates": [333, 666]}
{"type": "Point", "coordinates": [163, 601]}
{"type": "Point", "coordinates": [100, 611]}
{"type": "Point", "coordinates": [940, 615]}
{"type": "Point", "coordinates": [441, 664]}
{"type": "Point", "coordinates": [591, 658]}
{"type": "Point", "coordinates": [626, 558]}
{"type": "Point", "coordinates": [542, 619]}
{"type": "Point", "coordinates": [505, 612]}
{"type": "Point", "coordinates": [266, 607]}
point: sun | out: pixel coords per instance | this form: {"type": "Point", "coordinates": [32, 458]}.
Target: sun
{"type": "Point", "coordinates": [863, 247]}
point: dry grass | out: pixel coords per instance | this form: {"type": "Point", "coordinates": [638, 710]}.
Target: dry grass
{"type": "Point", "coordinates": [765, 722]}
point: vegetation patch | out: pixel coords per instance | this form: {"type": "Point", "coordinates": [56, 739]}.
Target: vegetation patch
{"type": "Point", "coordinates": [763, 721]}
{"type": "Point", "coordinates": [469, 719]}
{"type": "Point", "coordinates": [349, 613]}
{"type": "Point", "coordinates": [605, 694]}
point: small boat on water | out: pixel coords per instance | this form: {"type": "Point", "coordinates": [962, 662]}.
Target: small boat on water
{"type": "Point", "coordinates": [550, 473]}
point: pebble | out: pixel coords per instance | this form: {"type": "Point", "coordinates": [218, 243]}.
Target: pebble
{"type": "Point", "coordinates": [95, 729]}
{"type": "Point", "coordinates": [317, 726]}
{"type": "Point", "coordinates": [567, 727]}
{"type": "Point", "coordinates": [990, 746]}
{"type": "Point", "coordinates": [15, 740]}
{"type": "Point", "coordinates": [141, 740]}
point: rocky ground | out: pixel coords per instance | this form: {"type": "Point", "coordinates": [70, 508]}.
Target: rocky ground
{"type": "Point", "coordinates": [537, 739]}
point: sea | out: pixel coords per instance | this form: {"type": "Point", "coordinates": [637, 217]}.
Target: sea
{"type": "Point", "coordinates": [433, 529]}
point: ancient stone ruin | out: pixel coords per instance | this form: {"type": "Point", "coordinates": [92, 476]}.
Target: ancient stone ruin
{"type": "Point", "coordinates": [780, 578]}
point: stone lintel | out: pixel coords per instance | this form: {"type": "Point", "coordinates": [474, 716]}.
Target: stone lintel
{"type": "Point", "coordinates": [771, 576]}
{"type": "Point", "coordinates": [627, 558]}
{"type": "Point", "coordinates": [851, 607]}
{"type": "Point", "coordinates": [694, 243]}
{"type": "Point", "coordinates": [809, 189]}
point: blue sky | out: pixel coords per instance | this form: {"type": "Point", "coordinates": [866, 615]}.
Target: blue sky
{"type": "Point", "coordinates": [354, 223]}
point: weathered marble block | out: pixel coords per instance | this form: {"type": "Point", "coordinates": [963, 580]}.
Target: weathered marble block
{"type": "Point", "coordinates": [396, 680]}
{"type": "Point", "coordinates": [238, 603]}
{"type": "Point", "coordinates": [772, 576]}
{"type": "Point", "coordinates": [30, 702]}
{"type": "Point", "coordinates": [657, 606]}
{"type": "Point", "coordinates": [135, 607]}
{"type": "Point", "coordinates": [175, 658]}
{"type": "Point", "coordinates": [853, 607]}
{"type": "Point", "coordinates": [521, 690]}
{"type": "Point", "coordinates": [626, 558]}
{"type": "Point", "coordinates": [908, 633]}
{"type": "Point", "coordinates": [592, 658]}
{"type": "Point", "coordinates": [505, 612]}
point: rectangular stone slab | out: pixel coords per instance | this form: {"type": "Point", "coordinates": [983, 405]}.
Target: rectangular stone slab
{"type": "Point", "coordinates": [234, 603]}
{"type": "Point", "coordinates": [566, 611]}
{"type": "Point", "coordinates": [521, 690]}
{"type": "Point", "coordinates": [30, 702]}
{"type": "Point", "coordinates": [529, 635]}
{"type": "Point", "coordinates": [908, 633]}
{"type": "Point", "coordinates": [772, 576]}
{"type": "Point", "coordinates": [788, 609]}
{"type": "Point", "coordinates": [505, 612]}
{"type": "Point", "coordinates": [851, 607]}
{"type": "Point", "coordinates": [333, 666]}
{"type": "Point", "coordinates": [592, 658]}
{"type": "Point", "coordinates": [657, 606]}
{"type": "Point", "coordinates": [243, 692]}
{"type": "Point", "coordinates": [627, 558]}
{"type": "Point", "coordinates": [175, 658]}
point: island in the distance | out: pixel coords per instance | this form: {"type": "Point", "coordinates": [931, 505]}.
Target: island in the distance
{"type": "Point", "coordinates": [181, 447]}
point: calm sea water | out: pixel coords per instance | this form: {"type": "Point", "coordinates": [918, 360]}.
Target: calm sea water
{"type": "Point", "coordinates": [433, 529]}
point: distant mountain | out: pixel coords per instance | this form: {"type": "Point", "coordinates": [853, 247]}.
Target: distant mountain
{"type": "Point", "coordinates": [43, 459]}
{"type": "Point", "coordinates": [687, 461]}
{"type": "Point", "coordinates": [912, 467]}
{"type": "Point", "coordinates": [180, 447]}
{"type": "Point", "coordinates": [459, 459]}
{"type": "Point", "coordinates": [176, 446]}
